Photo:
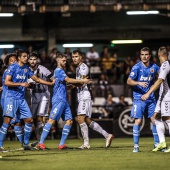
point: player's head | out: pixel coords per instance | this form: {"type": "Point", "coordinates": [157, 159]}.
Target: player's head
{"type": "Point", "coordinates": [77, 57]}
{"type": "Point", "coordinates": [22, 56]}
{"type": "Point", "coordinates": [61, 60]}
{"type": "Point", "coordinates": [10, 59]}
{"type": "Point", "coordinates": [163, 52]}
{"type": "Point", "coordinates": [145, 55]}
{"type": "Point", "coordinates": [33, 59]}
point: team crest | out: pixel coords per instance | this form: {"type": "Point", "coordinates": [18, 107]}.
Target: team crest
{"type": "Point", "coordinates": [132, 74]}
{"type": "Point", "coordinates": [7, 112]}
{"type": "Point", "coordinates": [152, 70]}
{"type": "Point", "coordinates": [25, 70]}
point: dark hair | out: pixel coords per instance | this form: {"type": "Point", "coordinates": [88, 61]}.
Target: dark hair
{"type": "Point", "coordinates": [77, 51]}
{"type": "Point", "coordinates": [33, 54]}
{"type": "Point", "coordinates": [60, 55]}
{"type": "Point", "coordinates": [145, 49]}
{"type": "Point", "coordinates": [6, 59]}
{"type": "Point", "coordinates": [19, 53]}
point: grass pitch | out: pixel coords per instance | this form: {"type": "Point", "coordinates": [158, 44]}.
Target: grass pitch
{"type": "Point", "coordinates": [118, 157]}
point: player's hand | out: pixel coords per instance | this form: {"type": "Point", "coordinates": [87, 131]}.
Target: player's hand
{"type": "Point", "coordinates": [143, 84]}
{"type": "Point", "coordinates": [157, 116]}
{"type": "Point", "coordinates": [1, 88]}
{"type": "Point", "coordinates": [25, 84]}
{"type": "Point", "coordinates": [53, 82]}
{"type": "Point", "coordinates": [87, 81]}
{"type": "Point", "coordinates": [145, 96]}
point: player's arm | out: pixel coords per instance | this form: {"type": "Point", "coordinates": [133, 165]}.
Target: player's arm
{"type": "Point", "coordinates": [41, 81]}
{"type": "Point", "coordinates": [9, 82]}
{"type": "Point", "coordinates": [152, 89]}
{"type": "Point", "coordinates": [132, 82]}
{"type": "Point", "coordinates": [76, 81]}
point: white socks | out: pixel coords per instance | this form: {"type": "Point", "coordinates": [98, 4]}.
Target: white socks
{"type": "Point", "coordinates": [160, 127]}
{"type": "Point", "coordinates": [85, 133]}
{"type": "Point", "coordinates": [95, 126]}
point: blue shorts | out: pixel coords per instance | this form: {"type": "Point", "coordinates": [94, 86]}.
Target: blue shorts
{"type": "Point", "coordinates": [143, 108]}
{"type": "Point", "coordinates": [15, 119]}
{"type": "Point", "coordinates": [16, 108]}
{"type": "Point", "coordinates": [60, 109]}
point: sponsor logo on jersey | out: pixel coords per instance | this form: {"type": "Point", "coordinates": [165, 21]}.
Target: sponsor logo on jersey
{"type": "Point", "coordinates": [21, 77]}
{"type": "Point", "coordinates": [148, 78]}
{"type": "Point", "coordinates": [152, 70]}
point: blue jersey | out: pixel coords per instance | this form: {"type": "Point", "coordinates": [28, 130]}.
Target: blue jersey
{"type": "Point", "coordinates": [59, 90]}
{"type": "Point", "coordinates": [19, 74]}
{"type": "Point", "coordinates": [141, 73]}
{"type": "Point", "coordinates": [3, 85]}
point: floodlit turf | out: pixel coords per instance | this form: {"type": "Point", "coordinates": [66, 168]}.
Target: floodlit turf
{"type": "Point", "coordinates": [118, 157]}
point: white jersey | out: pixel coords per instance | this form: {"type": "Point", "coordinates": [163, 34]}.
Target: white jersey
{"type": "Point", "coordinates": [164, 88]}
{"type": "Point", "coordinates": [40, 92]}
{"type": "Point", "coordinates": [163, 103]}
{"type": "Point", "coordinates": [83, 92]}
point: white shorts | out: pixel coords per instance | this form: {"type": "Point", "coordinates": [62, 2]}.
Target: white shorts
{"type": "Point", "coordinates": [85, 108]}
{"type": "Point", "coordinates": [165, 108]}
{"type": "Point", "coordinates": [40, 109]}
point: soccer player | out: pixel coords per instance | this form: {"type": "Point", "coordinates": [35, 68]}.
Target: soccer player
{"type": "Point", "coordinates": [142, 77]}
{"type": "Point", "coordinates": [60, 106]}
{"type": "Point", "coordinates": [16, 80]}
{"type": "Point", "coordinates": [84, 97]}
{"type": "Point", "coordinates": [8, 60]}
{"type": "Point", "coordinates": [40, 95]}
{"type": "Point", "coordinates": [162, 110]}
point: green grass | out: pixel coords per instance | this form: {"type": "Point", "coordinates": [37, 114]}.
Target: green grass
{"type": "Point", "coordinates": [118, 157]}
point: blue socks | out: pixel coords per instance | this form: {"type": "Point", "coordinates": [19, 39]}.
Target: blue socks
{"type": "Point", "coordinates": [155, 135]}
{"type": "Point", "coordinates": [65, 133]}
{"type": "Point", "coordinates": [19, 133]}
{"type": "Point", "coordinates": [45, 132]}
{"type": "Point", "coordinates": [3, 132]}
{"type": "Point", "coordinates": [136, 134]}
{"type": "Point", "coordinates": [27, 133]}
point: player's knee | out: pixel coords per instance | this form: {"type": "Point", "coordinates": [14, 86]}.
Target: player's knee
{"type": "Point", "coordinates": [80, 119]}
{"type": "Point", "coordinates": [69, 122]}
{"type": "Point", "coordinates": [28, 120]}
{"type": "Point", "coordinates": [7, 120]}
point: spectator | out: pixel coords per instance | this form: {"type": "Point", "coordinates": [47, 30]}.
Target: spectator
{"type": "Point", "coordinates": [93, 57]}
{"type": "Point", "coordinates": [45, 60]}
{"type": "Point", "coordinates": [108, 108]}
{"type": "Point", "coordinates": [122, 104]}
{"type": "Point", "coordinates": [4, 54]}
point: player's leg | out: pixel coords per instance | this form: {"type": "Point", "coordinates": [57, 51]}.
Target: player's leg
{"type": "Point", "coordinates": [3, 132]}
{"type": "Point", "coordinates": [150, 110]}
{"type": "Point", "coordinates": [66, 116]}
{"type": "Point", "coordinates": [95, 126]}
{"type": "Point", "coordinates": [160, 118]}
{"type": "Point", "coordinates": [18, 131]}
{"type": "Point", "coordinates": [55, 114]}
{"type": "Point", "coordinates": [9, 111]}
{"type": "Point", "coordinates": [42, 111]}
{"type": "Point", "coordinates": [25, 114]}
{"type": "Point", "coordinates": [137, 111]}
{"type": "Point", "coordinates": [81, 114]}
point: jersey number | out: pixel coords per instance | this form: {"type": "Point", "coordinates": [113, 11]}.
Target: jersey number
{"type": "Point", "coordinates": [9, 107]}
{"type": "Point", "coordinates": [135, 108]}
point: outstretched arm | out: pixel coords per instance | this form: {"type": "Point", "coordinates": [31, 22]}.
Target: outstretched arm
{"type": "Point", "coordinates": [152, 89]}
{"type": "Point", "coordinates": [41, 81]}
